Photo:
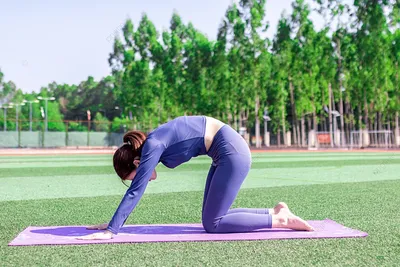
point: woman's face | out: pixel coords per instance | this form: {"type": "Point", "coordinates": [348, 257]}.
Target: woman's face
{"type": "Point", "coordinates": [133, 174]}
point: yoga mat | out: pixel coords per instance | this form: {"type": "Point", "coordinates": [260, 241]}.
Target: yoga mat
{"type": "Point", "coordinates": [66, 235]}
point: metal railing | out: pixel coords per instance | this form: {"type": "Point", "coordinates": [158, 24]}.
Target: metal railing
{"type": "Point", "coordinates": [33, 134]}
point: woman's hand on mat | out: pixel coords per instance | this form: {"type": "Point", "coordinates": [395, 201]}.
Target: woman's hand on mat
{"type": "Point", "coordinates": [98, 227]}
{"type": "Point", "coordinates": [97, 236]}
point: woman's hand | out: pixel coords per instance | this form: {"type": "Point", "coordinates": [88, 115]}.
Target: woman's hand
{"type": "Point", "coordinates": [97, 236]}
{"type": "Point", "coordinates": [153, 175]}
{"type": "Point", "coordinates": [98, 227]}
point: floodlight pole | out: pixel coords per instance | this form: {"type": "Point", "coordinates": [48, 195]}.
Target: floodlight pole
{"type": "Point", "coordinates": [46, 99]}
{"type": "Point", "coordinates": [266, 119]}
{"type": "Point", "coordinates": [30, 112]}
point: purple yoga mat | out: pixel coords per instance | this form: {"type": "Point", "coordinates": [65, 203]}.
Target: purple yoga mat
{"type": "Point", "coordinates": [66, 235]}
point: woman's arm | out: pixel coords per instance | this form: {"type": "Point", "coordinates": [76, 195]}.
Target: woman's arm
{"type": "Point", "coordinates": [150, 157]}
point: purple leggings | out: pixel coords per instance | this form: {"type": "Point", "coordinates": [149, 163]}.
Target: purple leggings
{"type": "Point", "coordinates": [231, 164]}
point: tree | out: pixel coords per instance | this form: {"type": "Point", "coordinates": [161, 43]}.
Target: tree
{"type": "Point", "coordinates": [335, 10]}
{"type": "Point", "coordinates": [372, 39]}
{"type": "Point", "coordinates": [101, 124]}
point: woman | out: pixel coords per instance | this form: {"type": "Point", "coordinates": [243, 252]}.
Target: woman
{"type": "Point", "coordinates": [177, 142]}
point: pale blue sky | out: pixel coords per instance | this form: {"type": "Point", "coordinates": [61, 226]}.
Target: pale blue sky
{"type": "Point", "coordinates": [66, 41]}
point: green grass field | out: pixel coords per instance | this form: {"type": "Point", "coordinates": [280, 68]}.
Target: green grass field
{"type": "Point", "coordinates": [359, 190]}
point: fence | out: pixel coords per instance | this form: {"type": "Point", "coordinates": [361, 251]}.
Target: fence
{"type": "Point", "coordinates": [61, 134]}
{"type": "Point", "coordinates": [379, 139]}
{"type": "Point", "coordinates": [355, 139]}
{"type": "Point", "coordinates": [312, 140]}
{"type": "Point", "coordinates": [27, 134]}
{"type": "Point", "coordinates": [59, 139]}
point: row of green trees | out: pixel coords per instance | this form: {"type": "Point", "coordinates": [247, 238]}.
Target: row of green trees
{"type": "Point", "coordinates": [302, 75]}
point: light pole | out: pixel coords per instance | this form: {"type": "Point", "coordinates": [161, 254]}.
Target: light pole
{"type": "Point", "coordinates": [335, 115]}
{"type": "Point", "coordinates": [30, 112]}
{"type": "Point", "coordinates": [266, 118]}
{"type": "Point", "coordinates": [120, 110]}
{"type": "Point", "coordinates": [16, 113]}
{"type": "Point", "coordinates": [46, 99]}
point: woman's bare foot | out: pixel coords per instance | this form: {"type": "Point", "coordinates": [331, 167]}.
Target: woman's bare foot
{"type": "Point", "coordinates": [278, 207]}
{"type": "Point", "coordinates": [286, 219]}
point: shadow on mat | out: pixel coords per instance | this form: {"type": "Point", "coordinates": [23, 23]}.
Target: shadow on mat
{"type": "Point", "coordinates": [141, 230]}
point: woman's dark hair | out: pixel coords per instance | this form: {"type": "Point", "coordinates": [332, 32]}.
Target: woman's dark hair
{"type": "Point", "coordinates": [128, 152]}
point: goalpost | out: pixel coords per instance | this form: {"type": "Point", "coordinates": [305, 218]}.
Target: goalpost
{"type": "Point", "coordinates": [376, 139]}
{"type": "Point", "coordinates": [358, 139]}
{"type": "Point", "coordinates": [320, 139]}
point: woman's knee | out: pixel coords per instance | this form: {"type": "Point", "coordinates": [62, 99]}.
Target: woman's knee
{"type": "Point", "coordinates": [209, 225]}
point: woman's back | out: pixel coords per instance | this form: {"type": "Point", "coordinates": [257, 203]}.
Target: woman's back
{"type": "Point", "coordinates": [183, 138]}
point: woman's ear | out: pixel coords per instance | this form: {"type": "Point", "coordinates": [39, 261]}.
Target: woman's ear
{"type": "Point", "coordinates": [136, 162]}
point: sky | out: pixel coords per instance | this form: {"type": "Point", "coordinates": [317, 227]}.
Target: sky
{"type": "Point", "coordinates": [67, 41]}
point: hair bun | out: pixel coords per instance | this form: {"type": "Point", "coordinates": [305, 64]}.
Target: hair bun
{"type": "Point", "coordinates": [134, 139]}
{"type": "Point", "coordinates": [128, 143]}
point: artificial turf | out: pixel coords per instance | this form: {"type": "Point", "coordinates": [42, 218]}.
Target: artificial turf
{"type": "Point", "coordinates": [364, 195]}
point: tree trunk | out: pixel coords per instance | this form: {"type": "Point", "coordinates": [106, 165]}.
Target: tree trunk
{"type": "Point", "coordinates": [342, 139]}
{"type": "Point", "coordinates": [298, 133]}
{"type": "Point", "coordinates": [279, 136]}
{"type": "Point", "coordinates": [352, 123]}
{"type": "Point", "coordinates": [397, 130]}
{"type": "Point", "coordinates": [389, 129]}
{"type": "Point", "coordinates": [330, 111]}
{"type": "Point", "coordinates": [309, 127]}
{"type": "Point", "coordinates": [365, 109]}
{"type": "Point", "coordinates": [360, 123]}
{"type": "Point", "coordinates": [161, 110]}
{"type": "Point", "coordinates": [396, 126]}
{"type": "Point", "coordinates": [376, 128]}
{"type": "Point", "coordinates": [342, 134]}
{"type": "Point", "coordinates": [314, 118]}
{"type": "Point", "coordinates": [303, 132]}
{"type": "Point", "coordinates": [235, 122]}
{"type": "Point", "coordinates": [314, 111]}
{"type": "Point", "coordinates": [294, 116]}
{"type": "Point", "coordinates": [283, 122]}
{"type": "Point", "coordinates": [348, 124]}
{"type": "Point", "coordinates": [257, 106]}
{"type": "Point", "coordinates": [241, 118]}
{"type": "Point", "coordinates": [322, 118]}
{"type": "Point", "coordinates": [314, 114]}
{"type": "Point", "coordinates": [323, 122]}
